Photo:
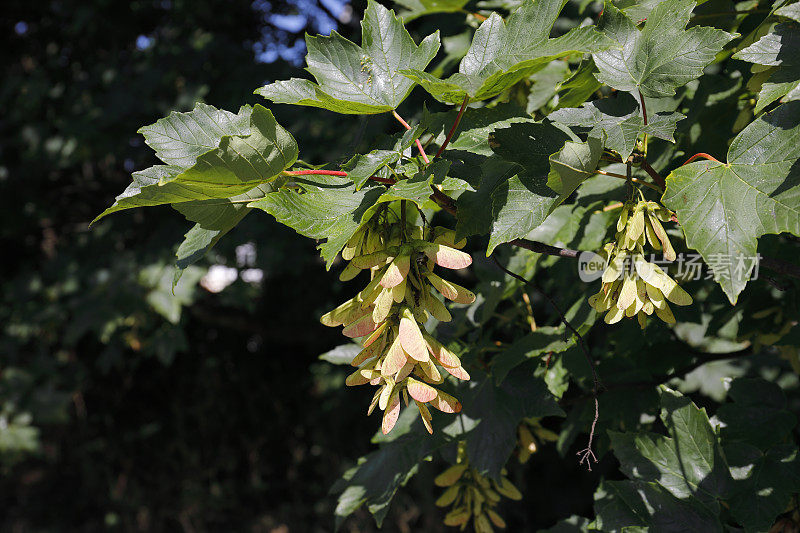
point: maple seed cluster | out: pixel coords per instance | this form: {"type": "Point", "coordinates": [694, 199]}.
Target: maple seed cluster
{"type": "Point", "coordinates": [473, 496]}
{"type": "Point", "coordinates": [631, 284]}
{"type": "Point", "coordinates": [398, 355]}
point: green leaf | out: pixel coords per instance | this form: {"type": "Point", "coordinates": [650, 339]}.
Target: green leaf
{"type": "Point", "coordinates": [418, 189]}
{"type": "Point", "coordinates": [330, 208]}
{"type": "Point", "coordinates": [661, 57]}
{"type": "Point", "coordinates": [694, 439]}
{"type": "Point", "coordinates": [758, 414]}
{"type": "Point", "coordinates": [180, 138]}
{"type": "Point", "coordinates": [689, 463]}
{"type": "Point", "coordinates": [491, 414]}
{"type": "Point", "coordinates": [356, 79]}
{"type": "Point", "coordinates": [545, 340]}
{"type": "Point", "coordinates": [618, 122]}
{"type": "Point", "coordinates": [505, 52]}
{"type": "Point", "coordinates": [214, 218]}
{"type": "Point", "coordinates": [166, 297]}
{"type": "Point", "coordinates": [236, 166]}
{"type": "Point", "coordinates": [571, 165]}
{"type": "Point", "coordinates": [418, 8]}
{"type": "Point", "coordinates": [545, 84]}
{"type": "Point", "coordinates": [361, 167]}
{"type": "Point", "coordinates": [791, 11]}
{"type": "Point", "coordinates": [638, 506]}
{"type": "Point", "coordinates": [779, 48]}
{"type": "Point", "coordinates": [377, 477]}
{"type": "Point", "coordinates": [724, 208]}
{"type": "Point", "coordinates": [764, 482]}
{"type": "Point", "coordinates": [580, 86]}
{"type": "Point", "coordinates": [476, 124]}
{"type": "Point", "coordinates": [518, 191]}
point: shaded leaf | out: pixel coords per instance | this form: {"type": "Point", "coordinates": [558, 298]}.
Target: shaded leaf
{"type": "Point", "coordinates": [491, 414]}
{"type": "Point", "coordinates": [518, 193]}
{"type": "Point", "coordinates": [779, 48]}
{"type": "Point", "coordinates": [640, 506]}
{"type": "Point", "coordinates": [764, 482]}
{"type": "Point", "coordinates": [618, 122]}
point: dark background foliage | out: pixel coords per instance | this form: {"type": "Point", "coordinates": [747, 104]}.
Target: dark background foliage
{"type": "Point", "coordinates": [123, 407]}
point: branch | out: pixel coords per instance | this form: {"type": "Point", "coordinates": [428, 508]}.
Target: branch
{"type": "Point", "coordinates": [448, 204]}
{"type": "Point", "coordinates": [453, 129]}
{"type": "Point", "coordinates": [653, 174]}
{"type": "Point", "coordinates": [644, 110]}
{"type": "Point", "coordinates": [635, 180]}
{"type": "Point", "coordinates": [542, 248]}
{"type": "Point", "coordinates": [587, 454]}
{"type": "Point", "coordinates": [419, 144]}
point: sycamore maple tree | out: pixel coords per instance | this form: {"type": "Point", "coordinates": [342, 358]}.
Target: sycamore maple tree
{"type": "Point", "coordinates": [601, 130]}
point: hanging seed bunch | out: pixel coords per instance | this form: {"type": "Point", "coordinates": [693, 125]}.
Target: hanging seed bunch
{"type": "Point", "coordinates": [631, 284]}
{"type": "Point", "coordinates": [399, 357]}
{"type": "Point", "coordinates": [473, 496]}
{"type": "Point", "coordinates": [530, 434]}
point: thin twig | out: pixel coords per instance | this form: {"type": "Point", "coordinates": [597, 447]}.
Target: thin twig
{"type": "Point", "coordinates": [315, 172]}
{"type": "Point", "coordinates": [419, 144]}
{"type": "Point", "coordinates": [628, 177]}
{"type": "Point", "coordinates": [644, 109]}
{"type": "Point", "coordinates": [542, 248]}
{"type": "Point", "coordinates": [644, 118]}
{"type": "Point", "coordinates": [635, 180]}
{"type": "Point", "coordinates": [587, 454]}
{"type": "Point", "coordinates": [653, 174]}
{"type": "Point", "coordinates": [453, 129]}
{"type": "Point", "coordinates": [704, 156]}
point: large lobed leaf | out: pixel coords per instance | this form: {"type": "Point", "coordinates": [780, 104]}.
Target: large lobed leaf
{"type": "Point", "coordinates": [504, 52]}
{"type": "Point", "coordinates": [677, 481]}
{"type": "Point", "coordinates": [238, 164]}
{"type": "Point", "coordinates": [780, 49]}
{"type": "Point", "coordinates": [661, 57]}
{"type": "Point", "coordinates": [724, 207]}
{"type": "Point", "coordinates": [356, 79]}
{"type": "Point", "coordinates": [216, 161]}
{"type": "Point", "coordinates": [687, 463]}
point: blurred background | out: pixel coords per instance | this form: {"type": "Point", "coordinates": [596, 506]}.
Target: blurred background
{"type": "Point", "coordinates": [123, 406]}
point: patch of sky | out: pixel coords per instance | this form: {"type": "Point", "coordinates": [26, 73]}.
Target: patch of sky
{"type": "Point", "coordinates": [284, 23]}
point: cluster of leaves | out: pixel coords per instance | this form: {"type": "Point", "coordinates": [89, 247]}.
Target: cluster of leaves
{"type": "Point", "coordinates": [559, 124]}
